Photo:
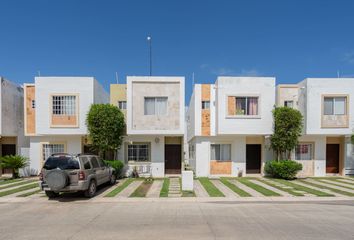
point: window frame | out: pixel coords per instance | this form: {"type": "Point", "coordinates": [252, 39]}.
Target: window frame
{"type": "Point", "coordinates": [259, 112]}
{"type": "Point", "coordinates": [124, 105]}
{"type": "Point", "coordinates": [137, 157]}
{"type": "Point", "coordinates": [333, 97]}
{"type": "Point", "coordinates": [312, 153]}
{"type": "Point", "coordinates": [287, 101]}
{"type": "Point", "coordinates": [77, 112]}
{"type": "Point", "coordinates": [42, 144]}
{"type": "Point", "coordinates": [221, 160]}
{"type": "Point", "coordinates": [155, 104]}
{"type": "Point", "coordinates": [205, 105]}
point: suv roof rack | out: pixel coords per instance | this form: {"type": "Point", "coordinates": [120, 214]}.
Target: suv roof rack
{"type": "Point", "coordinates": [60, 154]}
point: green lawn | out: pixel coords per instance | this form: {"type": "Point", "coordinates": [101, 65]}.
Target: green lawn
{"type": "Point", "coordinates": [120, 188]}
{"type": "Point", "coordinates": [234, 188]}
{"type": "Point", "coordinates": [288, 190]}
{"type": "Point", "coordinates": [29, 193]}
{"type": "Point", "coordinates": [165, 187]}
{"type": "Point", "coordinates": [303, 188]}
{"type": "Point", "coordinates": [19, 189]}
{"type": "Point", "coordinates": [143, 188]}
{"type": "Point", "coordinates": [7, 181]}
{"type": "Point", "coordinates": [210, 188]}
{"type": "Point", "coordinates": [17, 184]}
{"type": "Point", "coordinates": [328, 188]}
{"type": "Point", "coordinates": [258, 188]}
{"type": "Point", "coordinates": [334, 182]}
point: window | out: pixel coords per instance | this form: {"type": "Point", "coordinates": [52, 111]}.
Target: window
{"type": "Point", "coordinates": [335, 105]}
{"type": "Point", "coordinates": [122, 105]}
{"type": "Point", "coordinates": [246, 105]}
{"type": "Point", "coordinates": [304, 151]}
{"type": "Point", "coordinates": [94, 162]}
{"type": "Point", "coordinates": [49, 149]}
{"type": "Point", "coordinates": [155, 106]}
{"type": "Point", "coordinates": [86, 163]}
{"type": "Point", "coordinates": [220, 152]}
{"type": "Point", "coordinates": [205, 104]}
{"type": "Point", "coordinates": [138, 152]}
{"type": "Point", "coordinates": [61, 162]}
{"type": "Point", "coordinates": [289, 104]}
{"type": "Point", "coordinates": [64, 105]}
{"type": "Point", "coordinates": [33, 103]}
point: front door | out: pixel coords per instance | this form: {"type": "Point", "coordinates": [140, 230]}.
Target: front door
{"type": "Point", "coordinates": [8, 149]}
{"type": "Point", "coordinates": [332, 158]}
{"type": "Point", "coordinates": [253, 158]}
{"type": "Point", "coordinates": [173, 158]}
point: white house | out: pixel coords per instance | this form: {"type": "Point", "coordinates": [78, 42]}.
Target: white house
{"type": "Point", "coordinates": [228, 124]}
{"type": "Point", "coordinates": [55, 111]}
{"type": "Point", "coordinates": [155, 123]}
{"type": "Point", "coordinates": [12, 138]}
{"type": "Point", "coordinates": [327, 105]}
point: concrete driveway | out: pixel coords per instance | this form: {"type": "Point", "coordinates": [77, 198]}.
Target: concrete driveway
{"type": "Point", "coordinates": [177, 220]}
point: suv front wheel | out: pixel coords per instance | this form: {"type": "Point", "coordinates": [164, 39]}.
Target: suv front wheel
{"type": "Point", "coordinates": [90, 192]}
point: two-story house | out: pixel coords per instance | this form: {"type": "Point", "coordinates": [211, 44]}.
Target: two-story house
{"type": "Point", "coordinates": [154, 110]}
{"type": "Point", "coordinates": [327, 105]}
{"type": "Point", "coordinates": [12, 138]}
{"type": "Point", "coordinates": [228, 124]}
{"type": "Point", "coordinates": [55, 111]}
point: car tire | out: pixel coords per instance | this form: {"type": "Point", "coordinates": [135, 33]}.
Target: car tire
{"type": "Point", "coordinates": [112, 179]}
{"type": "Point", "coordinates": [51, 194]}
{"type": "Point", "coordinates": [91, 191]}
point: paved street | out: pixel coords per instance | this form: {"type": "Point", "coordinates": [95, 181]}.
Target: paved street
{"type": "Point", "coordinates": [176, 220]}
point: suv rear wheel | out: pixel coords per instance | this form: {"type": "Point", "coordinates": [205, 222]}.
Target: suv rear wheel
{"type": "Point", "coordinates": [51, 194]}
{"type": "Point", "coordinates": [90, 192]}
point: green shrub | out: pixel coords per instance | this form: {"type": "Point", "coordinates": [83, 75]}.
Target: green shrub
{"type": "Point", "coordinates": [284, 169]}
{"type": "Point", "coordinates": [117, 166]}
{"type": "Point", "coordinates": [14, 162]}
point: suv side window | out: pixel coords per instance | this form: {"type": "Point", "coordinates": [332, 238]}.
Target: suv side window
{"type": "Point", "coordinates": [102, 163]}
{"type": "Point", "coordinates": [86, 163]}
{"type": "Point", "coordinates": [94, 162]}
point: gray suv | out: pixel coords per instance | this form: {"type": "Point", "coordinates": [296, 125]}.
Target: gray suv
{"type": "Point", "coordinates": [73, 173]}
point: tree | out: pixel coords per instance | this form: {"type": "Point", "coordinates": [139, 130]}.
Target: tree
{"type": "Point", "coordinates": [14, 162]}
{"type": "Point", "coordinates": [106, 128]}
{"type": "Point", "coordinates": [287, 130]}
{"type": "Point", "coordinates": [352, 138]}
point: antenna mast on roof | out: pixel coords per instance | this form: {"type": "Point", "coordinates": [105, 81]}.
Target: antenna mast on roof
{"type": "Point", "coordinates": [39, 73]}
{"type": "Point", "coordinates": [193, 79]}
{"type": "Point", "coordinates": [117, 77]}
{"type": "Point", "coordinates": [338, 74]}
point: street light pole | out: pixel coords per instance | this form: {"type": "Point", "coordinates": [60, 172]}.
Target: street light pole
{"type": "Point", "coordinates": [150, 54]}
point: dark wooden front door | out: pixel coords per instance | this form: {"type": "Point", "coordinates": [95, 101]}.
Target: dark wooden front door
{"type": "Point", "coordinates": [253, 158]}
{"type": "Point", "coordinates": [8, 149]}
{"type": "Point", "coordinates": [332, 158]}
{"type": "Point", "coordinates": [173, 159]}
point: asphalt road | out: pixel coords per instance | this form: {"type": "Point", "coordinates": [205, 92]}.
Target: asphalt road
{"type": "Point", "coordinates": [176, 220]}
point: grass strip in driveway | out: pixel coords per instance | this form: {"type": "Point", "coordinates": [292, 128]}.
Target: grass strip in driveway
{"type": "Point", "coordinates": [333, 182]}
{"type": "Point", "coordinates": [210, 187]}
{"type": "Point", "coordinates": [165, 187]}
{"type": "Point", "coordinates": [10, 181]}
{"type": "Point", "coordinates": [17, 184]}
{"type": "Point", "coordinates": [120, 188]}
{"type": "Point", "coordinates": [188, 194]}
{"type": "Point", "coordinates": [19, 189]}
{"type": "Point", "coordinates": [29, 193]}
{"type": "Point", "coordinates": [234, 188]}
{"type": "Point", "coordinates": [328, 188]}
{"type": "Point", "coordinates": [143, 188]}
{"type": "Point", "coordinates": [288, 190]}
{"type": "Point", "coordinates": [258, 188]}
{"type": "Point", "coordinates": [303, 188]}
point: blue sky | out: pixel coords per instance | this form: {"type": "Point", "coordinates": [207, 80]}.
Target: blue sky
{"type": "Point", "coordinates": [290, 40]}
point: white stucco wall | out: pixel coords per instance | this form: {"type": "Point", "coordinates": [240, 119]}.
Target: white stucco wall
{"type": "Point", "coordinates": [157, 152]}
{"type": "Point", "coordinates": [73, 146]}
{"type": "Point", "coordinates": [349, 157]}
{"type": "Point", "coordinates": [263, 87]}
{"type": "Point", "coordinates": [315, 88]}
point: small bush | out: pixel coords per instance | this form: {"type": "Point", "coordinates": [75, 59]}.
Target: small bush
{"type": "Point", "coordinates": [117, 166]}
{"type": "Point", "coordinates": [284, 169]}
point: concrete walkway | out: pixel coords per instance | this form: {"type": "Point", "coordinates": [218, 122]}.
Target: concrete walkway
{"type": "Point", "coordinates": [318, 189]}
{"type": "Point", "coordinates": [154, 191]}
{"type": "Point", "coordinates": [347, 180]}
{"type": "Point", "coordinates": [174, 189]}
{"type": "Point", "coordinates": [199, 190]}
{"type": "Point", "coordinates": [225, 190]}
{"type": "Point", "coordinates": [330, 185]}
{"type": "Point", "coordinates": [129, 189]}
{"type": "Point", "coordinates": [282, 193]}
{"type": "Point", "coordinates": [346, 185]}
{"type": "Point", "coordinates": [251, 191]}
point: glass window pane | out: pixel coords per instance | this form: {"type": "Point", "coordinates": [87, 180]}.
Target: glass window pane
{"type": "Point", "coordinates": [304, 152]}
{"type": "Point", "coordinates": [225, 152]}
{"type": "Point", "coordinates": [252, 106]}
{"type": "Point", "coordinates": [328, 106]}
{"type": "Point", "coordinates": [161, 106]}
{"type": "Point", "coordinates": [340, 105]}
{"type": "Point", "coordinates": [149, 106]}
{"type": "Point", "coordinates": [240, 106]}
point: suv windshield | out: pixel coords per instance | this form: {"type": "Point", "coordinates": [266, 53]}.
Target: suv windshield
{"type": "Point", "coordinates": [61, 162]}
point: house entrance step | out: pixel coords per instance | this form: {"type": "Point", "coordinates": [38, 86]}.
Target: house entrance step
{"type": "Point", "coordinates": [174, 189]}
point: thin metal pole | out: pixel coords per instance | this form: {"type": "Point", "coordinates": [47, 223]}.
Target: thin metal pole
{"type": "Point", "coordinates": [150, 53]}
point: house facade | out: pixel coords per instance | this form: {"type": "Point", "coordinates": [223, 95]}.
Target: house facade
{"type": "Point", "coordinates": [327, 105]}
{"type": "Point", "coordinates": [228, 125]}
{"type": "Point", "coordinates": [154, 112]}
{"type": "Point", "coordinates": [55, 111]}
{"type": "Point", "coordinates": [12, 138]}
